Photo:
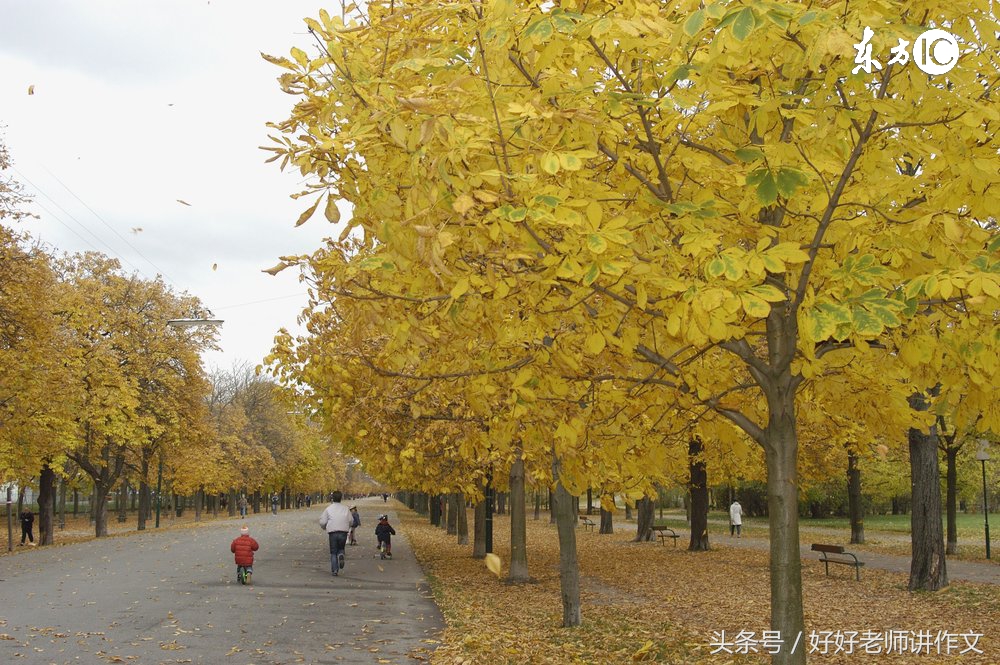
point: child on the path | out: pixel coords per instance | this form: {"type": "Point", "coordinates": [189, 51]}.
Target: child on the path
{"type": "Point", "coordinates": [243, 547]}
{"type": "Point", "coordinates": [355, 523]}
{"type": "Point", "coordinates": [384, 533]}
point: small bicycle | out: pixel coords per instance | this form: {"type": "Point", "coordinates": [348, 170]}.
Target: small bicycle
{"type": "Point", "coordinates": [243, 574]}
{"type": "Point", "coordinates": [382, 553]}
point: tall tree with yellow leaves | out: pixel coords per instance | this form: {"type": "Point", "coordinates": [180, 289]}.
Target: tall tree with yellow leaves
{"type": "Point", "coordinates": [710, 198]}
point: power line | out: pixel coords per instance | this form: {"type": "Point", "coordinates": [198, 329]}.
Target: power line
{"type": "Point", "coordinates": [96, 237]}
{"type": "Point", "coordinates": [113, 230]}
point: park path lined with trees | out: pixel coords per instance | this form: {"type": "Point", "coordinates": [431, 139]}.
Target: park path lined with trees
{"type": "Point", "coordinates": [602, 248]}
{"type": "Point", "coordinates": [172, 596]}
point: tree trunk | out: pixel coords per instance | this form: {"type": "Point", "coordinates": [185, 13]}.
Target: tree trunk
{"type": "Point", "coordinates": [62, 503]}
{"type": "Point", "coordinates": [435, 510]}
{"type": "Point", "coordinates": [569, 571]}
{"type": "Point", "coordinates": [479, 531]}
{"type": "Point", "coordinates": [462, 521]}
{"type": "Point", "coordinates": [781, 453]}
{"type": "Point", "coordinates": [951, 455]}
{"type": "Point", "coordinates": [590, 501]}
{"type": "Point", "coordinates": [552, 507]}
{"type": "Point", "coordinates": [644, 519]}
{"type": "Point", "coordinates": [518, 528]}
{"type": "Point", "coordinates": [46, 502]}
{"type": "Point", "coordinates": [628, 510]}
{"type": "Point", "coordinates": [145, 496]}
{"type": "Point", "coordinates": [199, 499]}
{"type": "Point", "coordinates": [607, 525]}
{"type": "Point", "coordinates": [501, 503]}
{"type": "Point", "coordinates": [855, 500]}
{"type": "Point", "coordinates": [538, 505]}
{"type": "Point", "coordinates": [100, 510]}
{"type": "Point", "coordinates": [927, 567]}
{"type": "Point", "coordinates": [453, 506]}
{"type": "Point", "coordinates": [123, 502]}
{"type": "Point", "coordinates": [699, 496]}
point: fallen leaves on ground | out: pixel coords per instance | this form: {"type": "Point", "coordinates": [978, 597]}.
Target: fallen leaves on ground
{"type": "Point", "coordinates": [652, 603]}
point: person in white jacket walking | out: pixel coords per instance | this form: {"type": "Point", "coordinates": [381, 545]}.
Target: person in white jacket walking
{"type": "Point", "coordinates": [735, 519]}
{"type": "Point", "coordinates": [336, 519]}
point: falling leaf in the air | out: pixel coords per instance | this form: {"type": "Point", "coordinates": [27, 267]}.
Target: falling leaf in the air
{"type": "Point", "coordinates": [31, 89]}
{"type": "Point", "coordinates": [493, 563]}
{"type": "Point", "coordinates": [184, 202]}
{"type": "Point", "coordinates": [215, 266]}
{"type": "Point", "coordinates": [137, 229]}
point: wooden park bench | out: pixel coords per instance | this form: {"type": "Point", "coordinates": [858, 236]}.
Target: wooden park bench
{"type": "Point", "coordinates": [838, 556]}
{"type": "Point", "coordinates": [663, 532]}
{"type": "Point", "coordinates": [587, 522]}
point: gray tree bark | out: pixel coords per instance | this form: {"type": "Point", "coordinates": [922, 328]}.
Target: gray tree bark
{"type": "Point", "coordinates": [569, 569]}
{"type": "Point", "coordinates": [607, 523]}
{"type": "Point", "coordinates": [518, 528]}
{"type": "Point", "coordinates": [479, 531]}
{"type": "Point", "coordinates": [644, 519]}
{"type": "Point", "coordinates": [46, 504]}
{"type": "Point", "coordinates": [462, 524]}
{"type": "Point", "coordinates": [855, 500]}
{"type": "Point", "coordinates": [927, 567]}
{"type": "Point", "coordinates": [699, 496]}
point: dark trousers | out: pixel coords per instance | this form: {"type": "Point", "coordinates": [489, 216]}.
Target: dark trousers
{"type": "Point", "coordinates": [338, 541]}
{"type": "Point", "coordinates": [26, 532]}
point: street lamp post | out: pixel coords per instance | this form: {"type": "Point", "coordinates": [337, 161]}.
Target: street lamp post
{"type": "Point", "coordinates": [983, 456]}
{"type": "Point", "coordinates": [176, 323]}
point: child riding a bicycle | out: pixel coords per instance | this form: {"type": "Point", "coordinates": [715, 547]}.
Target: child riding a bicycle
{"type": "Point", "coordinates": [243, 547]}
{"type": "Point", "coordinates": [384, 533]}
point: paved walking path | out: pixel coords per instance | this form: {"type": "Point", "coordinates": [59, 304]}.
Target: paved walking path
{"type": "Point", "coordinates": [969, 571]}
{"type": "Point", "coordinates": [171, 597]}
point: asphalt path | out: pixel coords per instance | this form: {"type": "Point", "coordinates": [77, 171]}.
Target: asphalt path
{"type": "Point", "coordinates": [172, 597]}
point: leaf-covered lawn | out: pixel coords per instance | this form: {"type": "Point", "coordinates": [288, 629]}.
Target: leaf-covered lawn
{"type": "Point", "coordinates": [644, 601]}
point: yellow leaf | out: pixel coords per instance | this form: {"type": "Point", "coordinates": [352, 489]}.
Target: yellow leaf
{"type": "Point", "coordinates": [332, 212]}
{"type": "Point", "coordinates": [485, 196]}
{"type": "Point", "coordinates": [461, 286]}
{"type": "Point", "coordinates": [787, 252]}
{"type": "Point", "coordinates": [308, 213]}
{"type": "Point", "coordinates": [463, 204]}
{"type": "Point", "coordinates": [595, 343]}
{"type": "Point", "coordinates": [493, 564]}
{"type": "Point", "coordinates": [31, 89]}
{"type": "Point", "coordinates": [276, 269]}
{"type": "Point", "coordinates": [550, 163]}
{"type": "Point", "coordinates": [594, 213]}
{"type": "Point", "coordinates": [643, 651]}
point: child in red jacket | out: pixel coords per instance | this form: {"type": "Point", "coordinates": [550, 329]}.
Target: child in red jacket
{"type": "Point", "coordinates": [244, 547]}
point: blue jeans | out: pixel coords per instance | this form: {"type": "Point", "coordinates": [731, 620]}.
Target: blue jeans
{"type": "Point", "coordinates": [338, 541]}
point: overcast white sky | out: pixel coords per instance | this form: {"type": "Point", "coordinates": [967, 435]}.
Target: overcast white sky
{"type": "Point", "coordinates": [137, 104]}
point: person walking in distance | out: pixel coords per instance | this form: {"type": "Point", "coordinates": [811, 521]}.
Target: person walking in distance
{"type": "Point", "coordinates": [27, 521]}
{"type": "Point", "coordinates": [274, 503]}
{"type": "Point", "coordinates": [336, 520]}
{"type": "Point", "coordinates": [355, 523]}
{"type": "Point", "coordinates": [735, 519]}
{"type": "Point", "coordinates": [241, 503]}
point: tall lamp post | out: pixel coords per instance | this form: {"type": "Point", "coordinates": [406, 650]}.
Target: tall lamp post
{"type": "Point", "coordinates": [176, 323]}
{"type": "Point", "coordinates": [983, 456]}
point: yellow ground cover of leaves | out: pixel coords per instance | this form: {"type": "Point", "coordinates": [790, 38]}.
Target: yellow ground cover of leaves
{"type": "Point", "coordinates": [637, 593]}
